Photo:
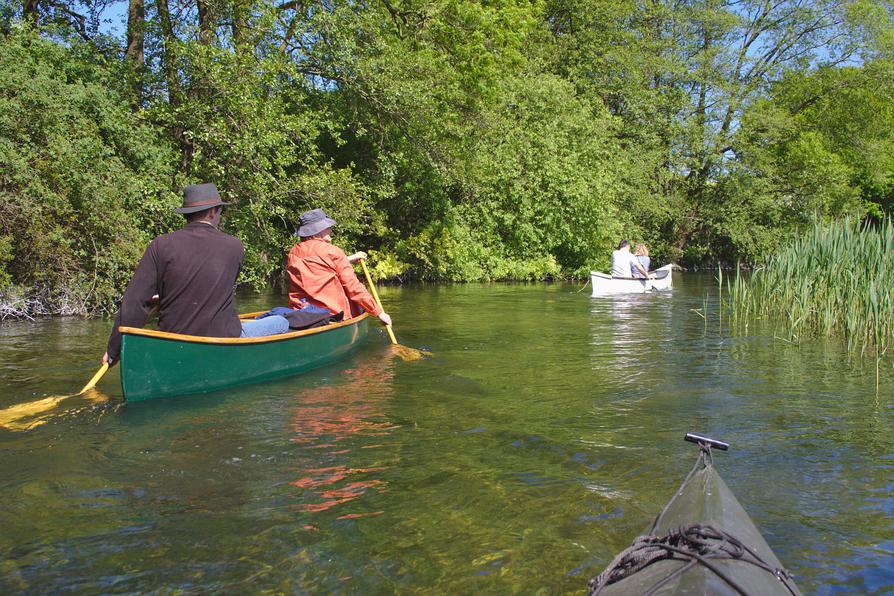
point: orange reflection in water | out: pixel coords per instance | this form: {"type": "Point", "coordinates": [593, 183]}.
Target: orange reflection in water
{"type": "Point", "coordinates": [328, 421]}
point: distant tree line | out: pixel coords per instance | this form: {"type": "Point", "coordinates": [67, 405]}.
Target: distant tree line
{"type": "Point", "coordinates": [452, 139]}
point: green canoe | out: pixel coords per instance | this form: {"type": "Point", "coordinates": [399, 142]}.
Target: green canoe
{"type": "Point", "coordinates": [158, 364]}
{"type": "Point", "coordinates": [702, 543]}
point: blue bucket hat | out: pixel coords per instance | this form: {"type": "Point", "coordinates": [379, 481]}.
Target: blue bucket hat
{"type": "Point", "coordinates": [313, 222]}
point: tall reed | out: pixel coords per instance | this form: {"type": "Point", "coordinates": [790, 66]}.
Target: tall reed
{"type": "Point", "coordinates": [835, 280]}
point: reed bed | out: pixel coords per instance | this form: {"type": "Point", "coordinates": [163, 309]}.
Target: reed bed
{"type": "Point", "coordinates": [835, 280]}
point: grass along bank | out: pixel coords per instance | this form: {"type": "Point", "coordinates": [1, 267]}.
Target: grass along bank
{"type": "Point", "coordinates": [835, 280]}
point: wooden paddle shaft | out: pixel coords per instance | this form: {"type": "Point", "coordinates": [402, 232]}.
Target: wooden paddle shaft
{"type": "Point", "coordinates": [105, 366]}
{"type": "Point", "coordinates": [372, 289]}
{"type": "Point", "coordinates": [92, 382]}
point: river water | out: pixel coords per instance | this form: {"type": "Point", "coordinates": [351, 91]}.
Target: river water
{"type": "Point", "coordinates": [541, 437]}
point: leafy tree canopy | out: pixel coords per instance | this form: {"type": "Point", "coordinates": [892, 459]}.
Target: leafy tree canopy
{"type": "Point", "coordinates": [452, 139]}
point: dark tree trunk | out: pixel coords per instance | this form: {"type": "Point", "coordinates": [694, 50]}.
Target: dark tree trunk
{"type": "Point", "coordinates": [240, 26]}
{"type": "Point", "coordinates": [32, 14]}
{"type": "Point", "coordinates": [136, 32]}
{"type": "Point", "coordinates": [175, 92]}
{"type": "Point", "coordinates": [206, 22]}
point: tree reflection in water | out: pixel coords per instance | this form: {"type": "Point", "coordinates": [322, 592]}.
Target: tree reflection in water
{"type": "Point", "coordinates": [340, 426]}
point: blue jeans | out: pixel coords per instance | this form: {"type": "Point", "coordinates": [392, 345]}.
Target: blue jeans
{"type": "Point", "coordinates": [267, 326]}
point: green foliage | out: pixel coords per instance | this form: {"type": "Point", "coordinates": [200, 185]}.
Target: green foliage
{"type": "Point", "coordinates": [6, 255]}
{"type": "Point", "coordinates": [455, 140]}
{"type": "Point", "coordinates": [818, 147]}
{"type": "Point", "coordinates": [456, 252]}
{"type": "Point", "coordinates": [786, 184]}
{"type": "Point", "coordinates": [385, 265]}
{"type": "Point", "coordinates": [538, 180]}
{"type": "Point", "coordinates": [245, 124]}
{"type": "Point", "coordinates": [851, 112]}
{"type": "Point", "coordinates": [682, 77]}
{"type": "Point", "coordinates": [74, 164]}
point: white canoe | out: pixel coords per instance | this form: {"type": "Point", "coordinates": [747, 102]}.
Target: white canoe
{"type": "Point", "coordinates": [606, 285]}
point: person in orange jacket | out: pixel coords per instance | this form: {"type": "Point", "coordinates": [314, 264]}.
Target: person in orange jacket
{"type": "Point", "coordinates": [321, 274]}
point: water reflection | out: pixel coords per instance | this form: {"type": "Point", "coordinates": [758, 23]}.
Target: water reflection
{"type": "Point", "coordinates": [329, 422]}
{"type": "Point", "coordinates": [624, 329]}
{"type": "Point", "coordinates": [542, 437]}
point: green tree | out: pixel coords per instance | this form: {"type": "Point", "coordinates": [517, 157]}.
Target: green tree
{"type": "Point", "coordinates": [77, 172]}
{"type": "Point", "coordinates": [819, 145]}
{"type": "Point", "coordinates": [682, 75]}
{"type": "Point", "coordinates": [540, 180]}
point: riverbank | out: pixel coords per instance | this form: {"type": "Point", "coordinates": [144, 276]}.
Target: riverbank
{"type": "Point", "coordinates": [17, 302]}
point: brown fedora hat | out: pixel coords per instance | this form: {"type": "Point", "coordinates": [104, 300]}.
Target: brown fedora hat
{"type": "Point", "coordinates": [199, 197]}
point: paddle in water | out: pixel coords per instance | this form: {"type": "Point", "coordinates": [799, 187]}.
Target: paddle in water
{"type": "Point", "coordinates": [22, 416]}
{"type": "Point", "coordinates": [404, 352]}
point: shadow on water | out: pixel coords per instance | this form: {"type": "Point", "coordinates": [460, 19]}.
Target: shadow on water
{"type": "Point", "coordinates": [542, 437]}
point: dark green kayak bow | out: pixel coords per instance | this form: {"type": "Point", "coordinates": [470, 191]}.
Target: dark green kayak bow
{"type": "Point", "coordinates": [703, 542]}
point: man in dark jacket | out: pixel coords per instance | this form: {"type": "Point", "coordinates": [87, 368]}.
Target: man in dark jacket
{"type": "Point", "coordinates": [193, 274]}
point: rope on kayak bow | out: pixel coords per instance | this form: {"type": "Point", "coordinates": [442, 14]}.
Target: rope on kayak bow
{"type": "Point", "coordinates": [693, 544]}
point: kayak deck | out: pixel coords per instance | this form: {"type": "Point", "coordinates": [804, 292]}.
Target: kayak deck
{"type": "Point", "coordinates": [703, 542]}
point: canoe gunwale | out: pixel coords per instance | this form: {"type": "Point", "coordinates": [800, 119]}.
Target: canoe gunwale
{"type": "Point", "coordinates": [659, 274]}
{"type": "Point", "coordinates": [605, 285]}
{"type": "Point", "coordinates": [156, 364]}
{"type": "Point", "coordinates": [198, 339]}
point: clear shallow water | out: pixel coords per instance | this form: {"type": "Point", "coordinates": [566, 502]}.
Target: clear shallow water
{"type": "Point", "coordinates": [541, 438]}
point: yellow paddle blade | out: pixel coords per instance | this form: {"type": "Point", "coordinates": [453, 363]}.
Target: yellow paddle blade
{"type": "Point", "coordinates": [14, 416]}
{"type": "Point", "coordinates": [409, 354]}
{"type": "Point", "coordinates": [34, 413]}
{"type": "Point", "coordinates": [23, 416]}
{"type": "Point", "coordinates": [22, 426]}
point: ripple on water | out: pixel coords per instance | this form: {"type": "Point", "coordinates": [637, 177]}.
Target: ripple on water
{"type": "Point", "coordinates": [543, 435]}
